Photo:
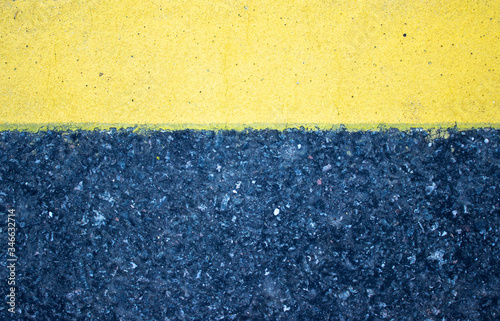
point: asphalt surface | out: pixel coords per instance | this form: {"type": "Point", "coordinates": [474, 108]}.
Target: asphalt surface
{"type": "Point", "coordinates": [252, 225]}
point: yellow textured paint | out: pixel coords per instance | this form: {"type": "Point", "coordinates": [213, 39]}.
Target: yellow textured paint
{"type": "Point", "coordinates": [235, 64]}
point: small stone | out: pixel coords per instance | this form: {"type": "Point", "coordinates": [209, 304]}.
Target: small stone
{"type": "Point", "coordinates": [224, 202]}
{"type": "Point", "coordinates": [327, 168]}
{"type": "Point", "coordinates": [276, 211]}
{"type": "Point", "coordinates": [344, 295]}
{"type": "Point", "coordinates": [430, 189]}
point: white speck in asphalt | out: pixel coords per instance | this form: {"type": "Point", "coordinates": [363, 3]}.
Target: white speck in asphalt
{"type": "Point", "coordinates": [430, 189]}
{"type": "Point", "coordinates": [99, 218]}
{"type": "Point", "coordinates": [344, 295]}
{"type": "Point", "coordinates": [276, 211]}
{"type": "Point", "coordinates": [437, 256]}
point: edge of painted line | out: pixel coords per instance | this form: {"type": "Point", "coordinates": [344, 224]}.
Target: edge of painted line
{"type": "Point", "coordinates": [144, 128]}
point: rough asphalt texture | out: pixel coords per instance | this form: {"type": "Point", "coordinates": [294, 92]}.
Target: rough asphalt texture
{"type": "Point", "coordinates": [253, 225]}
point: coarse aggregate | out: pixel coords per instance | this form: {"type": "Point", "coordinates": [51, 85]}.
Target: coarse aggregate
{"type": "Point", "coordinates": [252, 225]}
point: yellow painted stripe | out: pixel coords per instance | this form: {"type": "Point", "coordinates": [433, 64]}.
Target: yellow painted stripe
{"type": "Point", "coordinates": [238, 64]}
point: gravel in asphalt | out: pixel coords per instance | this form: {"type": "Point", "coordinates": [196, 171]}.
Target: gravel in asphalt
{"type": "Point", "coordinates": [251, 225]}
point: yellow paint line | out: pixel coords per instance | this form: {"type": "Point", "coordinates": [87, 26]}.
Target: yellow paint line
{"type": "Point", "coordinates": [239, 64]}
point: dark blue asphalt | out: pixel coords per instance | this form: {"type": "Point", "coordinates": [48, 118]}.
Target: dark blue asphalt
{"type": "Point", "coordinates": [252, 225]}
